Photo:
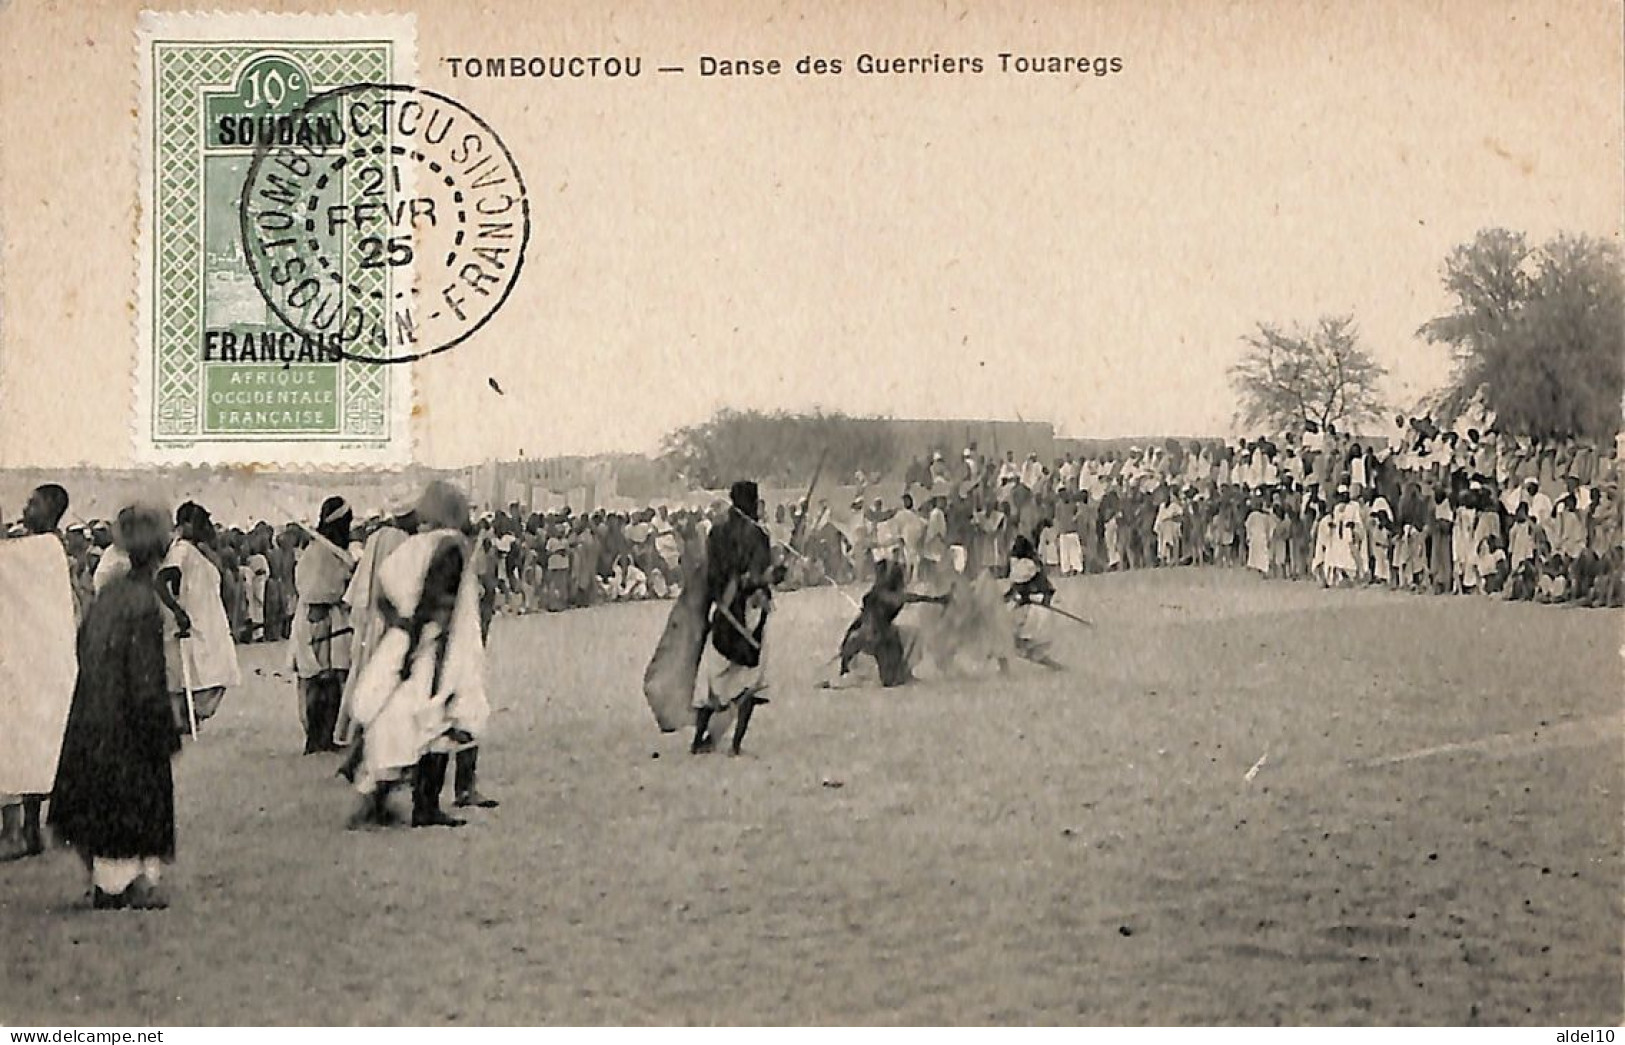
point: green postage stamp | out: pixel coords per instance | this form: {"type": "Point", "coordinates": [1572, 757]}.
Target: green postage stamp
{"type": "Point", "coordinates": [227, 372]}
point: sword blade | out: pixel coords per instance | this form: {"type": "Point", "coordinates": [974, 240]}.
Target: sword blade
{"type": "Point", "coordinates": [1069, 616]}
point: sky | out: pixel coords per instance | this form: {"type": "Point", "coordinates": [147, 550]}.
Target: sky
{"type": "Point", "coordinates": [1084, 250]}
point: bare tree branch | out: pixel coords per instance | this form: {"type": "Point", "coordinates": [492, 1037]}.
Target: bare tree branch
{"type": "Point", "coordinates": [1321, 374]}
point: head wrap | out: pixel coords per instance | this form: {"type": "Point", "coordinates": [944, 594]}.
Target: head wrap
{"type": "Point", "coordinates": [334, 509]}
{"type": "Point", "coordinates": [743, 494]}
{"type": "Point", "coordinates": [442, 507]}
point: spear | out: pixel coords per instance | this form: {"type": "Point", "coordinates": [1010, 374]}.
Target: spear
{"type": "Point", "coordinates": [1069, 616]}
{"type": "Point", "coordinates": [795, 534]}
{"type": "Point", "coordinates": [788, 546]}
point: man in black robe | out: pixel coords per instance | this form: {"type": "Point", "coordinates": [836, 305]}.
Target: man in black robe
{"type": "Point", "coordinates": [114, 797]}
{"type": "Point", "coordinates": [739, 581]}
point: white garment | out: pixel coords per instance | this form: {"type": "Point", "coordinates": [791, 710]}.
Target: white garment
{"type": "Point", "coordinates": [1324, 537]}
{"type": "Point", "coordinates": [365, 617]}
{"type": "Point", "coordinates": [631, 583]}
{"type": "Point", "coordinates": [1258, 527]}
{"type": "Point", "coordinates": [113, 565]}
{"type": "Point", "coordinates": [316, 647]}
{"type": "Point", "coordinates": [1071, 553]}
{"type": "Point", "coordinates": [1032, 628]}
{"type": "Point", "coordinates": [113, 876]}
{"type": "Point", "coordinates": [667, 544]}
{"type": "Point", "coordinates": [724, 681]}
{"type": "Point", "coordinates": [1022, 570]}
{"type": "Point", "coordinates": [403, 719]}
{"type": "Point", "coordinates": [1340, 556]}
{"type": "Point", "coordinates": [908, 529]}
{"type": "Point", "coordinates": [38, 661]}
{"type": "Point", "coordinates": [211, 654]}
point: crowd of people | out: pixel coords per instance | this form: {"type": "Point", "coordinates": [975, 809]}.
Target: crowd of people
{"type": "Point", "coordinates": [117, 650]}
{"type": "Point", "coordinates": [1420, 509]}
{"type": "Point", "coordinates": [129, 629]}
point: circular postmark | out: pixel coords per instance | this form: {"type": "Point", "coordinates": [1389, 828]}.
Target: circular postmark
{"type": "Point", "coordinates": [389, 225]}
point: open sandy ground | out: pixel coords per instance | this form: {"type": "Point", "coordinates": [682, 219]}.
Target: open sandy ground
{"type": "Point", "coordinates": [1434, 837]}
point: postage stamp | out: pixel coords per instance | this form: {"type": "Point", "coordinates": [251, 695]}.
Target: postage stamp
{"type": "Point", "coordinates": [226, 374]}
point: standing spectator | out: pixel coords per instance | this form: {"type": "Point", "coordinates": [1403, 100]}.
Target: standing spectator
{"type": "Point", "coordinates": [198, 647]}
{"type": "Point", "coordinates": [114, 796]}
{"type": "Point", "coordinates": [321, 625]}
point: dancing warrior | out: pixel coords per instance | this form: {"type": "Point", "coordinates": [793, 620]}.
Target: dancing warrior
{"type": "Point", "coordinates": [1031, 592]}
{"type": "Point", "coordinates": [739, 581]}
{"type": "Point", "coordinates": [875, 631]}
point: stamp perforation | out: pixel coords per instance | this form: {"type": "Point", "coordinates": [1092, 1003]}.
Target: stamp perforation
{"type": "Point", "coordinates": [186, 61]}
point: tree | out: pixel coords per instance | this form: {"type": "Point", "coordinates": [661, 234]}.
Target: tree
{"type": "Point", "coordinates": [1322, 374]}
{"type": "Point", "coordinates": [1539, 331]}
{"type": "Point", "coordinates": [778, 449]}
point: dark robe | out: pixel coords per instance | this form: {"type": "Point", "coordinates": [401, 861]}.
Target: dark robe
{"type": "Point", "coordinates": [875, 632]}
{"type": "Point", "coordinates": [279, 594]}
{"type": "Point", "coordinates": [114, 796]}
{"type": "Point", "coordinates": [1301, 539]}
{"type": "Point", "coordinates": [739, 559]}
{"type": "Point", "coordinates": [584, 568]}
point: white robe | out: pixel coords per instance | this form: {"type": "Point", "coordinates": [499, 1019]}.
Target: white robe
{"type": "Point", "coordinates": [362, 599]}
{"type": "Point", "coordinates": [211, 654]}
{"type": "Point", "coordinates": [318, 647]}
{"type": "Point", "coordinates": [110, 567]}
{"type": "Point", "coordinates": [38, 662]}
{"type": "Point", "coordinates": [1340, 556]}
{"type": "Point", "coordinates": [1324, 536]}
{"type": "Point", "coordinates": [1259, 526]}
{"type": "Point", "coordinates": [405, 719]}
